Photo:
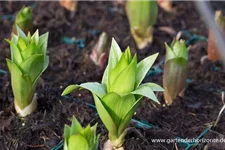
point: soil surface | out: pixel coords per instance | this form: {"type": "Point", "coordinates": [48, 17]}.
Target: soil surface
{"type": "Point", "coordinates": [187, 117]}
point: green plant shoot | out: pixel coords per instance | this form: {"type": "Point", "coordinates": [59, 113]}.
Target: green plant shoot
{"type": "Point", "coordinates": [175, 68]}
{"type": "Point", "coordinates": [142, 16]}
{"type": "Point", "coordinates": [120, 93]}
{"type": "Point", "coordinates": [24, 20]}
{"type": "Point", "coordinates": [28, 62]}
{"type": "Point", "coordinates": [78, 138]}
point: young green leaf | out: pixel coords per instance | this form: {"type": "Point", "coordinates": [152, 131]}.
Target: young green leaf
{"type": "Point", "coordinates": [15, 53]}
{"type": "Point", "coordinates": [35, 37]}
{"type": "Point", "coordinates": [20, 84]}
{"type": "Point", "coordinates": [94, 87]}
{"type": "Point", "coordinates": [69, 89]}
{"type": "Point", "coordinates": [75, 127]}
{"type": "Point", "coordinates": [143, 68]}
{"type": "Point", "coordinates": [153, 86]}
{"type": "Point", "coordinates": [21, 44]}
{"type": "Point", "coordinates": [115, 54]}
{"type": "Point", "coordinates": [147, 92]}
{"type": "Point", "coordinates": [66, 132]}
{"type": "Point", "coordinates": [32, 66]}
{"type": "Point", "coordinates": [29, 51]}
{"type": "Point", "coordinates": [23, 20]}
{"type": "Point", "coordinates": [105, 117]}
{"type": "Point", "coordinates": [128, 116]}
{"type": "Point", "coordinates": [122, 64]}
{"type": "Point", "coordinates": [127, 77]}
{"type": "Point", "coordinates": [21, 34]}
{"type": "Point", "coordinates": [117, 106]}
{"type": "Point", "coordinates": [77, 142]}
{"type": "Point", "coordinates": [76, 137]}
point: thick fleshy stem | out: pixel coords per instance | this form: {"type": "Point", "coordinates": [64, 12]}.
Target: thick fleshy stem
{"type": "Point", "coordinates": [28, 109]}
{"type": "Point", "coordinates": [115, 143]}
{"type": "Point", "coordinates": [142, 41]}
{"type": "Point", "coordinates": [108, 146]}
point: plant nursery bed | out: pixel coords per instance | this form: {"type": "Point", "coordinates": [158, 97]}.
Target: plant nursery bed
{"type": "Point", "coordinates": [188, 117]}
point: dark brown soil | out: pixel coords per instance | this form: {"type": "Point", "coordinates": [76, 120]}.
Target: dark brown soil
{"type": "Point", "coordinates": [187, 117]}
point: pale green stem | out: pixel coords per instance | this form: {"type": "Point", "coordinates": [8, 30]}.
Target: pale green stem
{"type": "Point", "coordinates": [28, 109]}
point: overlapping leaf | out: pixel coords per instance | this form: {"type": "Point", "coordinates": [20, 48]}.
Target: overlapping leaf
{"type": "Point", "coordinates": [115, 54]}
{"type": "Point", "coordinates": [21, 84]}
{"type": "Point", "coordinates": [120, 93]}
{"type": "Point", "coordinates": [26, 65]}
{"type": "Point", "coordinates": [76, 137]}
{"type": "Point", "coordinates": [143, 67]}
{"type": "Point", "coordinates": [94, 87]}
{"type": "Point", "coordinates": [125, 81]}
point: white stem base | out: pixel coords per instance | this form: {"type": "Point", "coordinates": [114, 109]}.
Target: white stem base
{"type": "Point", "coordinates": [141, 40]}
{"type": "Point", "coordinates": [108, 146]}
{"type": "Point", "coordinates": [28, 109]}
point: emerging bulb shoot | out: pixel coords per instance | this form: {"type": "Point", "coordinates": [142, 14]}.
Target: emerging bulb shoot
{"type": "Point", "coordinates": [175, 68]}
{"type": "Point", "coordinates": [23, 20]}
{"type": "Point", "coordinates": [142, 16]}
